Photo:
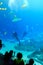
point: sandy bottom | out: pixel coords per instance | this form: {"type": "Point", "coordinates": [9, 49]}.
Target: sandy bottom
{"type": "Point", "coordinates": [10, 45]}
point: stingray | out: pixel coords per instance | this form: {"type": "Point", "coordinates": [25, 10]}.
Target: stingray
{"type": "Point", "coordinates": [16, 19]}
{"type": "Point", "coordinates": [34, 54]}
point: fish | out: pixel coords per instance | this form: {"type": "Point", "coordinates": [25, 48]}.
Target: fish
{"type": "Point", "coordinates": [15, 19]}
{"type": "Point", "coordinates": [26, 31]}
{"type": "Point", "coordinates": [24, 6]}
{"type": "Point", "coordinates": [15, 35]}
{"type": "Point", "coordinates": [34, 54]}
{"type": "Point", "coordinates": [24, 34]}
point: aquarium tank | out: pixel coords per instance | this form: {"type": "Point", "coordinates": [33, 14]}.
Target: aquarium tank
{"type": "Point", "coordinates": [21, 31]}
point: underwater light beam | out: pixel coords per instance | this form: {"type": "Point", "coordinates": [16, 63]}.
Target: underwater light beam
{"type": "Point", "coordinates": [25, 4]}
{"type": "Point", "coordinates": [17, 4]}
{"type": "Point", "coordinates": [12, 4]}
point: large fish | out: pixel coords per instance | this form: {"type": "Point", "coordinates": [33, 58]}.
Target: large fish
{"type": "Point", "coordinates": [24, 6]}
{"type": "Point", "coordinates": [15, 35]}
{"type": "Point", "coordinates": [26, 31]}
{"type": "Point", "coordinates": [24, 34]}
{"type": "Point", "coordinates": [16, 19]}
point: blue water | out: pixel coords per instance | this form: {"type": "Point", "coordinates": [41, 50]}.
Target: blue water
{"type": "Point", "coordinates": [31, 21]}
